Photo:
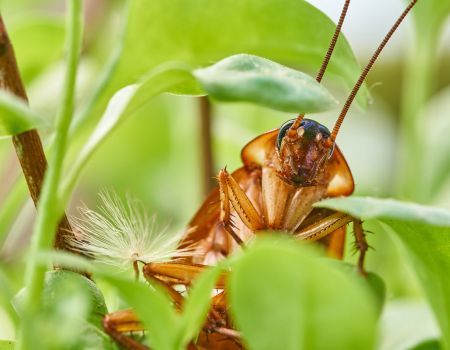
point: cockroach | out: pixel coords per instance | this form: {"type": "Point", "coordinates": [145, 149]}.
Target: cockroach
{"type": "Point", "coordinates": [285, 172]}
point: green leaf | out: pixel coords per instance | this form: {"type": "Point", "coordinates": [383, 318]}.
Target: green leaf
{"type": "Point", "coordinates": [372, 282]}
{"type": "Point", "coordinates": [248, 78]}
{"type": "Point", "coordinates": [6, 296]}
{"type": "Point", "coordinates": [379, 208]}
{"type": "Point", "coordinates": [197, 305]}
{"type": "Point", "coordinates": [38, 42]}
{"type": "Point", "coordinates": [68, 293]}
{"type": "Point", "coordinates": [97, 301]}
{"type": "Point", "coordinates": [153, 307]}
{"type": "Point", "coordinates": [6, 345]}
{"type": "Point", "coordinates": [15, 116]}
{"type": "Point", "coordinates": [430, 344]}
{"type": "Point", "coordinates": [425, 232]}
{"type": "Point", "coordinates": [284, 297]}
{"type": "Point", "coordinates": [200, 32]}
{"type": "Point", "coordinates": [124, 103]}
{"type": "Point", "coordinates": [61, 279]}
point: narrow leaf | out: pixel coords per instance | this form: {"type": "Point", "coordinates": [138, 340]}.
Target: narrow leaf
{"type": "Point", "coordinates": [15, 116]}
{"type": "Point", "coordinates": [248, 78]}
{"type": "Point", "coordinates": [6, 345]}
{"type": "Point", "coordinates": [197, 305]}
{"type": "Point", "coordinates": [124, 103]}
{"type": "Point", "coordinates": [6, 296]}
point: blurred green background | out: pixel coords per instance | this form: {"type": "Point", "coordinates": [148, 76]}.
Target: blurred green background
{"type": "Point", "coordinates": [156, 154]}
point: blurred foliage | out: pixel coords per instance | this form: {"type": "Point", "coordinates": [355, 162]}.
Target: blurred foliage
{"type": "Point", "coordinates": [425, 232]}
{"type": "Point", "coordinates": [155, 155]}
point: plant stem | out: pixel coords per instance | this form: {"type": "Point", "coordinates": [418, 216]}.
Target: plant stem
{"type": "Point", "coordinates": [27, 144]}
{"type": "Point", "coordinates": [206, 145]}
{"type": "Point", "coordinates": [50, 209]}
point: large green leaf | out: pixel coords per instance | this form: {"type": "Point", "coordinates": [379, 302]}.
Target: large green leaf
{"type": "Point", "coordinates": [15, 116]}
{"type": "Point", "coordinates": [425, 232]}
{"type": "Point", "coordinates": [284, 297]}
{"type": "Point", "coordinates": [201, 32]}
{"type": "Point", "coordinates": [249, 78]}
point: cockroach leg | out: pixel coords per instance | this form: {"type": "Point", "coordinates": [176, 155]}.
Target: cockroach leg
{"type": "Point", "coordinates": [361, 245]}
{"type": "Point", "coordinates": [178, 273]}
{"type": "Point", "coordinates": [176, 296]}
{"type": "Point", "coordinates": [323, 227]}
{"type": "Point", "coordinates": [231, 333]}
{"type": "Point", "coordinates": [231, 193]}
{"type": "Point", "coordinates": [119, 322]}
{"type": "Point", "coordinates": [217, 323]}
{"type": "Point", "coordinates": [225, 211]}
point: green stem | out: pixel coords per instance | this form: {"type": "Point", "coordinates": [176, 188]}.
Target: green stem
{"type": "Point", "coordinates": [17, 195]}
{"type": "Point", "coordinates": [103, 83]}
{"type": "Point", "coordinates": [50, 209]}
{"type": "Point", "coordinates": [417, 87]}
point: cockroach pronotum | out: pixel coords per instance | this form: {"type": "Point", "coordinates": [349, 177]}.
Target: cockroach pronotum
{"type": "Point", "coordinates": [285, 172]}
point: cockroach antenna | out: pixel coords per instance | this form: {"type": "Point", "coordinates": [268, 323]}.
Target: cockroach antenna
{"type": "Point", "coordinates": [325, 61]}
{"type": "Point", "coordinates": [366, 71]}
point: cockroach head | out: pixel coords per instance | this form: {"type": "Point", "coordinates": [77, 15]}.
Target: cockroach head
{"type": "Point", "coordinates": [302, 155]}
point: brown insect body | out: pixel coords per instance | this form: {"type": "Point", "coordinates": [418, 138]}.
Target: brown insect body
{"type": "Point", "coordinates": [270, 180]}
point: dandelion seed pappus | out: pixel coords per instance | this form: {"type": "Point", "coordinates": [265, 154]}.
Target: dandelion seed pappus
{"type": "Point", "coordinates": [285, 172]}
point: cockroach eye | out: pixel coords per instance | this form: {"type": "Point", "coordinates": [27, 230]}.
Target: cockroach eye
{"type": "Point", "coordinates": [283, 130]}
{"type": "Point", "coordinates": [324, 131]}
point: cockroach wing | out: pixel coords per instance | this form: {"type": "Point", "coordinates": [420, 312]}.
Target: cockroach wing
{"type": "Point", "coordinates": [261, 149]}
{"type": "Point", "coordinates": [342, 183]}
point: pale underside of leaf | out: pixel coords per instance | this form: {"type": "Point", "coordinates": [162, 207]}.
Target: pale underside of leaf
{"type": "Point", "coordinates": [249, 78]}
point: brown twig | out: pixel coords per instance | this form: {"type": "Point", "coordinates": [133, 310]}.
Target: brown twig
{"type": "Point", "coordinates": [28, 144]}
{"type": "Point", "coordinates": [206, 145]}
